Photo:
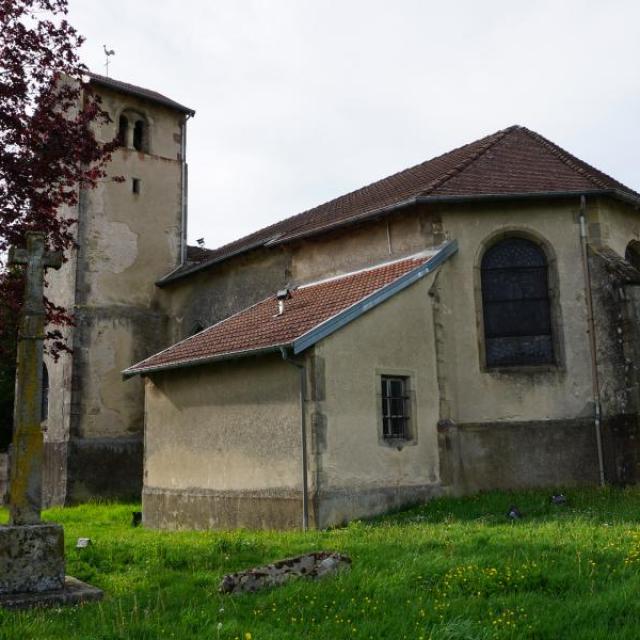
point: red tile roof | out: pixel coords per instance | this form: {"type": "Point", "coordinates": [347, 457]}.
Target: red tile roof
{"type": "Point", "coordinates": [140, 92]}
{"type": "Point", "coordinates": [260, 327]}
{"type": "Point", "coordinates": [514, 161]}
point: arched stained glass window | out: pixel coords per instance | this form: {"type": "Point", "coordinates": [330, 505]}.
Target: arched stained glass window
{"type": "Point", "coordinates": [516, 305]}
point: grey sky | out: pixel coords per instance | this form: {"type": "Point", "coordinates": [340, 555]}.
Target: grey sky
{"type": "Point", "coordinates": [299, 101]}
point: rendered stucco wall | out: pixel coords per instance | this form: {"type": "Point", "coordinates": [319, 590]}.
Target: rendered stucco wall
{"type": "Point", "coordinates": [222, 446]}
{"type": "Point", "coordinates": [213, 294]}
{"type": "Point", "coordinates": [126, 241]}
{"type": "Point", "coordinates": [479, 395]}
{"type": "Point", "coordinates": [357, 473]}
{"type": "Point", "coordinates": [521, 427]}
{"type": "Point", "coordinates": [209, 296]}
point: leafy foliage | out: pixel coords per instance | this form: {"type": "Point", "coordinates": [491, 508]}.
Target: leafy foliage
{"type": "Point", "coordinates": [48, 147]}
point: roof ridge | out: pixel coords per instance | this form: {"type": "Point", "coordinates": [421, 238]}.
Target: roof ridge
{"type": "Point", "coordinates": [575, 163]}
{"type": "Point", "coordinates": [491, 139]}
{"type": "Point", "coordinates": [137, 90]}
{"type": "Point", "coordinates": [463, 164]}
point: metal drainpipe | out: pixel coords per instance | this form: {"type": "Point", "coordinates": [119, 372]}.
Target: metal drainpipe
{"type": "Point", "coordinates": [592, 339]}
{"type": "Point", "coordinates": [183, 191]}
{"type": "Point", "coordinates": [303, 437]}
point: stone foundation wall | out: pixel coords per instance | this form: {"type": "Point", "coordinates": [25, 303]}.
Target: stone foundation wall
{"type": "Point", "coordinates": [104, 468]}
{"type": "Point", "coordinates": [202, 509]}
{"type": "Point", "coordinates": [518, 455]}
{"type": "Point", "coordinates": [338, 506]}
{"type": "Point", "coordinates": [4, 477]}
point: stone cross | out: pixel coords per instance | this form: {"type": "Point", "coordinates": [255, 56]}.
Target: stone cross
{"type": "Point", "coordinates": [25, 496]}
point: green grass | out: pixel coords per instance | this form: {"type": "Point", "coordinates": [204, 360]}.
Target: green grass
{"type": "Point", "coordinates": [450, 570]}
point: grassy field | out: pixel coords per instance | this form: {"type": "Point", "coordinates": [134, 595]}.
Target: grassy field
{"type": "Point", "coordinates": [450, 570]}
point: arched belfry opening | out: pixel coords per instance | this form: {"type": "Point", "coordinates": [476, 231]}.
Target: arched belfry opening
{"type": "Point", "coordinates": [133, 131]}
{"type": "Point", "coordinates": [123, 128]}
{"type": "Point", "coordinates": [139, 135]}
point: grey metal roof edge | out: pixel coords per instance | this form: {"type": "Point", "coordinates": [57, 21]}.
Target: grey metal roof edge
{"type": "Point", "coordinates": [139, 92]}
{"type": "Point", "coordinates": [365, 215]}
{"type": "Point", "coordinates": [530, 195]}
{"type": "Point", "coordinates": [333, 324]}
{"type": "Point", "coordinates": [231, 355]}
{"type": "Point", "coordinates": [172, 276]}
{"type": "Point", "coordinates": [523, 195]}
{"type": "Point", "coordinates": [372, 214]}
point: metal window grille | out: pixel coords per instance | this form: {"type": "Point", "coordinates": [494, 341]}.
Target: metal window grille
{"type": "Point", "coordinates": [516, 305]}
{"type": "Point", "coordinates": [395, 407]}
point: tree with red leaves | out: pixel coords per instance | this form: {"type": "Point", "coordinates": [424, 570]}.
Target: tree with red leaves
{"type": "Point", "coordinates": [48, 149]}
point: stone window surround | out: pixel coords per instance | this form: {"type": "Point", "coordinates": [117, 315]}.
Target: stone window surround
{"type": "Point", "coordinates": [412, 426]}
{"type": "Point", "coordinates": [554, 301]}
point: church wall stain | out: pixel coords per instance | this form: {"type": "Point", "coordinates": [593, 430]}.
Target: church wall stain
{"type": "Point", "coordinates": [126, 241]}
{"type": "Point", "coordinates": [219, 438]}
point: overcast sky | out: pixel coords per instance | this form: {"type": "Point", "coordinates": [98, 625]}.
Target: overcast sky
{"type": "Point", "coordinates": [299, 101]}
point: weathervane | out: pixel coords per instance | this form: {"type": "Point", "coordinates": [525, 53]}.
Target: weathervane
{"type": "Point", "coordinates": [108, 53]}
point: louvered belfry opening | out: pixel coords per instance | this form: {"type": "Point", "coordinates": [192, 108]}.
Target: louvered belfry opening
{"type": "Point", "coordinates": [516, 304]}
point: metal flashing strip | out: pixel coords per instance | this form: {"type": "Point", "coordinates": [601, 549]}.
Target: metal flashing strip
{"type": "Point", "coordinates": [284, 238]}
{"type": "Point", "coordinates": [193, 362]}
{"type": "Point", "coordinates": [333, 324]}
{"type": "Point", "coordinates": [181, 271]}
{"type": "Point", "coordinates": [525, 195]}
{"type": "Point", "coordinates": [427, 254]}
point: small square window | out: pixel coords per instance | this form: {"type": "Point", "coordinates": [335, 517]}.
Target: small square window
{"type": "Point", "coordinates": [396, 407]}
{"type": "Point", "coordinates": [135, 185]}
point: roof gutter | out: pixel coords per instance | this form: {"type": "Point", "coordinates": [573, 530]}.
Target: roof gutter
{"type": "Point", "coordinates": [489, 197]}
{"type": "Point", "coordinates": [233, 355]}
{"type": "Point", "coordinates": [170, 277]}
{"type": "Point", "coordinates": [403, 204]}
{"type": "Point", "coordinates": [532, 195]}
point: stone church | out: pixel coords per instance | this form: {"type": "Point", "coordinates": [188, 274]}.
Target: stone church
{"type": "Point", "coordinates": [466, 324]}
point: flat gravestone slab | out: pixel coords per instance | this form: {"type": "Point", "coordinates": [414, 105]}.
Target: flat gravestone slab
{"type": "Point", "coordinates": [315, 565]}
{"type": "Point", "coordinates": [31, 558]}
{"type": "Point", "coordinates": [73, 591]}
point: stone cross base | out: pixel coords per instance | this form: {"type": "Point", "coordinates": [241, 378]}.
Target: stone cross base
{"type": "Point", "coordinates": [73, 592]}
{"type": "Point", "coordinates": [31, 558]}
{"type": "Point", "coordinates": [32, 569]}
